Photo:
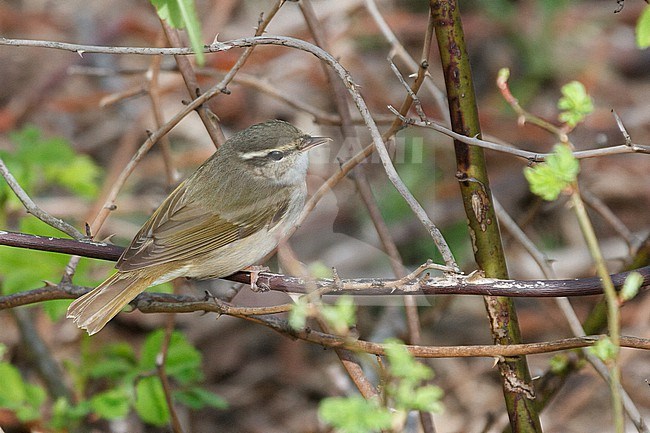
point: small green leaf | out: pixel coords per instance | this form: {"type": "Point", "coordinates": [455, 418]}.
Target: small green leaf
{"type": "Point", "coordinates": [111, 404]}
{"type": "Point", "coordinates": [298, 314]}
{"type": "Point", "coordinates": [319, 269]}
{"type": "Point", "coordinates": [181, 14]}
{"type": "Point", "coordinates": [340, 316]}
{"type": "Point", "coordinates": [354, 414]}
{"type": "Point", "coordinates": [198, 398]}
{"type": "Point", "coordinates": [183, 360]}
{"type": "Point", "coordinates": [604, 349]}
{"type": "Point", "coordinates": [150, 403]}
{"type": "Point", "coordinates": [64, 414]}
{"type": "Point", "coordinates": [403, 365]}
{"type": "Point", "coordinates": [631, 286]}
{"type": "Point", "coordinates": [643, 29]}
{"type": "Point", "coordinates": [558, 363]}
{"type": "Point", "coordinates": [19, 396]}
{"type": "Point", "coordinates": [575, 103]}
{"type": "Point", "coordinates": [14, 393]}
{"type": "Point", "coordinates": [427, 399]}
{"type": "Point", "coordinates": [551, 177]}
{"type": "Point", "coordinates": [117, 361]}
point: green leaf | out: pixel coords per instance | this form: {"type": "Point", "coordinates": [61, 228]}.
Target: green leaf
{"type": "Point", "coordinates": [631, 286]}
{"type": "Point", "coordinates": [118, 361]}
{"type": "Point", "coordinates": [64, 414]}
{"type": "Point", "coordinates": [551, 177]}
{"type": "Point", "coordinates": [14, 393]}
{"type": "Point", "coordinates": [111, 404]}
{"type": "Point", "coordinates": [19, 396]}
{"type": "Point", "coordinates": [340, 316]}
{"type": "Point", "coordinates": [298, 314]}
{"type": "Point", "coordinates": [198, 398]}
{"type": "Point", "coordinates": [354, 414]}
{"type": "Point", "coordinates": [427, 399]}
{"type": "Point", "coordinates": [181, 14]}
{"type": "Point", "coordinates": [403, 365]}
{"type": "Point", "coordinates": [41, 162]}
{"type": "Point", "coordinates": [643, 29]}
{"type": "Point", "coordinates": [559, 363]}
{"type": "Point", "coordinates": [150, 401]}
{"type": "Point", "coordinates": [183, 360]}
{"type": "Point", "coordinates": [604, 349]}
{"type": "Point", "coordinates": [575, 102]}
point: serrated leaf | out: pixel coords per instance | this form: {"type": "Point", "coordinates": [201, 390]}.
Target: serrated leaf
{"type": "Point", "coordinates": [354, 414]}
{"type": "Point", "coordinates": [181, 14]}
{"type": "Point", "coordinates": [643, 29]}
{"type": "Point", "coordinates": [575, 102]}
{"type": "Point", "coordinates": [631, 286]}
{"type": "Point", "coordinates": [150, 403]}
{"type": "Point", "coordinates": [551, 177]}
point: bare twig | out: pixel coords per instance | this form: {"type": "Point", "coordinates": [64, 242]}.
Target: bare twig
{"type": "Point", "coordinates": [33, 209]}
{"type": "Point", "coordinates": [154, 95]}
{"type": "Point", "coordinates": [530, 156]}
{"type": "Point", "coordinates": [398, 50]}
{"type": "Point", "coordinates": [615, 222]}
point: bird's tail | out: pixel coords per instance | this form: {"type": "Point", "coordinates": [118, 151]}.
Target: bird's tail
{"type": "Point", "coordinates": [94, 309]}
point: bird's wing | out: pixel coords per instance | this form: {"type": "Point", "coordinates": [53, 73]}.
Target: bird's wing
{"type": "Point", "coordinates": [182, 229]}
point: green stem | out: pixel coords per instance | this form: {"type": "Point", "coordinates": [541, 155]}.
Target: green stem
{"type": "Point", "coordinates": [612, 304]}
{"type": "Point", "coordinates": [477, 199]}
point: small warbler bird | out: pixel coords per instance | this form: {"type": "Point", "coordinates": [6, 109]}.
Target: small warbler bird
{"type": "Point", "coordinates": [230, 213]}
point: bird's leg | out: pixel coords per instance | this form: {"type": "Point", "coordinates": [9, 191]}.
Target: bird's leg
{"type": "Point", "coordinates": [255, 272]}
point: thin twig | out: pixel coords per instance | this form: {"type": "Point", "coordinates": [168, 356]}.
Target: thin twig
{"type": "Point", "coordinates": [398, 49]}
{"type": "Point", "coordinates": [530, 156]}
{"type": "Point", "coordinates": [606, 213]}
{"type": "Point", "coordinates": [33, 209]}
{"type": "Point", "coordinates": [154, 96]}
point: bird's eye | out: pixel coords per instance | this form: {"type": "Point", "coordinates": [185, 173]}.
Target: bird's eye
{"type": "Point", "coordinates": [275, 155]}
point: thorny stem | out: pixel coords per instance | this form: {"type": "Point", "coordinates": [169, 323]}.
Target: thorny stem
{"type": "Point", "coordinates": [473, 180]}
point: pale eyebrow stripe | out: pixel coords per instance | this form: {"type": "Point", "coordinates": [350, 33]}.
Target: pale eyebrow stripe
{"type": "Point", "coordinates": [254, 154]}
{"type": "Point", "coordinates": [264, 152]}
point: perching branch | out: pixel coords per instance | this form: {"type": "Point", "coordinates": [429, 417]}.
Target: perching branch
{"type": "Point", "coordinates": [410, 285]}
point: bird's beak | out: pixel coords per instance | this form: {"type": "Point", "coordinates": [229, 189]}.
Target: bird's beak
{"type": "Point", "coordinates": [310, 142]}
